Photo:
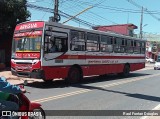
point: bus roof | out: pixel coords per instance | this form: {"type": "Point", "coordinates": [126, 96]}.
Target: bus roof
{"type": "Point", "coordinates": [91, 30]}
{"type": "Point", "coordinates": [82, 29]}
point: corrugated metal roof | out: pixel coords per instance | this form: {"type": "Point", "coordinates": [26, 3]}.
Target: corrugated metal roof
{"type": "Point", "coordinates": [152, 37]}
{"type": "Point", "coordinates": [129, 25]}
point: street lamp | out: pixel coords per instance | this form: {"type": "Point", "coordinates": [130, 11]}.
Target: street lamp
{"type": "Point", "coordinates": [144, 25]}
{"type": "Point", "coordinates": [141, 31]}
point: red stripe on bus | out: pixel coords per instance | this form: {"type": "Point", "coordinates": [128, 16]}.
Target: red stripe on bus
{"type": "Point", "coordinates": [98, 57]}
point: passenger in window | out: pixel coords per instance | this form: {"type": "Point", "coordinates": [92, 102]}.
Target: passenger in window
{"type": "Point", "coordinates": [64, 46]}
{"type": "Point", "coordinates": [60, 47]}
{"type": "Point", "coordinates": [53, 47]}
{"type": "Point", "coordinates": [73, 42]}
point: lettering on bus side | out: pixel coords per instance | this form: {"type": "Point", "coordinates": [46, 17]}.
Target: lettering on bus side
{"type": "Point", "coordinates": [94, 62]}
{"type": "Point", "coordinates": [103, 62]}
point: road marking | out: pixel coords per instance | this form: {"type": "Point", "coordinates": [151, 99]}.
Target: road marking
{"type": "Point", "coordinates": [61, 96]}
{"type": "Point", "coordinates": [88, 90]}
{"type": "Point", "coordinates": [152, 117]}
{"type": "Point", "coordinates": [157, 107]}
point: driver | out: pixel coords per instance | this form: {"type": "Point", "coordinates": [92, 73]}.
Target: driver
{"type": "Point", "coordinates": [5, 97]}
{"type": "Point", "coordinates": [53, 47]}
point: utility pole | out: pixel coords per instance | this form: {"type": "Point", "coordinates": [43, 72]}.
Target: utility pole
{"type": "Point", "coordinates": [141, 22]}
{"type": "Point", "coordinates": [56, 17]}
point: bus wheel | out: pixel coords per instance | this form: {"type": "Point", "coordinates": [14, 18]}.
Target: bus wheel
{"type": "Point", "coordinates": [125, 72]}
{"type": "Point", "coordinates": [74, 75]}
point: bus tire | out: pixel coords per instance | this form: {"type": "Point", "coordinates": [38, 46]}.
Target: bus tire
{"type": "Point", "coordinates": [126, 71]}
{"type": "Point", "coordinates": [74, 75]}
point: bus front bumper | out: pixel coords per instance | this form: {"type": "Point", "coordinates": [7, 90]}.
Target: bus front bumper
{"type": "Point", "coordinates": [38, 74]}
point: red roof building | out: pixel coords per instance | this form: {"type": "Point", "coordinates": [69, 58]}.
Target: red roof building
{"type": "Point", "coordinates": [125, 29]}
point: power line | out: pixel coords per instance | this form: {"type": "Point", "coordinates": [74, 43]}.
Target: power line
{"type": "Point", "coordinates": [109, 7]}
{"type": "Point", "coordinates": [139, 6]}
{"type": "Point", "coordinates": [153, 15]}
{"type": "Point", "coordinates": [45, 12]}
{"type": "Point", "coordinates": [78, 14]}
{"type": "Point", "coordinates": [78, 7]}
{"type": "Point", "coordinates": [61, 13]}
{"type": "Point", "coordinates": [97, 4]}
{"type": "Point", "coordinates": [96, 17]}
{"type": "Point", "coordinates": [120, 9]}
{"type": "Point", "coordinates": [135, 4]}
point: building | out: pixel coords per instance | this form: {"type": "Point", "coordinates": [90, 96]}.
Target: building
{"type": "Point", "coordinates": [152, 45]}
{"type": "Point", "coordinates": [125, 29]}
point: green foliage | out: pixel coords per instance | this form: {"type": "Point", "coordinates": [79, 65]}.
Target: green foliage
{"type": "Point", "coordinates": [12, 12]}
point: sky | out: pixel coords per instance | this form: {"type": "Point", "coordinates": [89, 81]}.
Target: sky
{"type": "Point", "coordinates": [105, 12]}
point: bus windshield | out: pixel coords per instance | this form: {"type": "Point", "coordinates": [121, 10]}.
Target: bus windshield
{"type": "Point", "coordinates": [26, 44]}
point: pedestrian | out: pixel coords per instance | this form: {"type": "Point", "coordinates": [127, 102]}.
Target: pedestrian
{"type": "Point", "coordinates": [9, 101]}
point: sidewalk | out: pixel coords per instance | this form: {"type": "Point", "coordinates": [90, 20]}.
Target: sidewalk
{"type": "Point", "coordinates": [17, 80]}
{"type": "Point", "coordinates": [149, 64]}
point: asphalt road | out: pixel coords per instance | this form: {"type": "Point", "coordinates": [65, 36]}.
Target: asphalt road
{"type": "Point", "coordinates": [138, 92]}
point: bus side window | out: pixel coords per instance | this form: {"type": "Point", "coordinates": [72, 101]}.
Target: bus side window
{"type": "Point", "coordinates": [77, 42]}
{"type": "Point", "coordinates": [137, 47]}
{"type": "Point", "coordinates": [119, 45]}
{"type": "Point", "coordinates": [92, 42]}
{"type": "Point", "coordinates": [129, 46]}
{"type": "Point", "coordinates": [46, 44]}
{"type": "Point", "coordinates": [143, 49]}
{"type": "Point", "coordinates": [61, 44]}
{"type": "Point", "coordinates": [110, 44]}
{"type": "Point", "coordinates": [106, 44]}
{"type": "Point", "coordinates": [56, 43]}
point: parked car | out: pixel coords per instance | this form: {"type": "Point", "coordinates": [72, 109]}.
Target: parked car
{"type": "Point", "coordinates": [150, 60]}
{"type": "Point", "coordinates": [157, 65]}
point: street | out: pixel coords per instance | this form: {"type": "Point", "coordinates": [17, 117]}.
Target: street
{"type": "Point", "coordinates": [138, 92]}
{"type": "Point", "coordinates": [68, 59]}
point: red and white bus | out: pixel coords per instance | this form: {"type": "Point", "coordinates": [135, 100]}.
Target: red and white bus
{"type": "Point", "coordinates": [78, 53]}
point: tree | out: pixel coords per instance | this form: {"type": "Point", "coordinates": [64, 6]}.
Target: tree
{"type": "Point", "coordinates": [12, 12]}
